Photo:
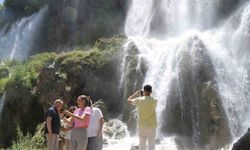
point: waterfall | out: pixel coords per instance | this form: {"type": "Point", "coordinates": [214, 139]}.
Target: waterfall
{"type": "Point", "coordinates": [2, 100]}
{"type": "Point", "coordinates": [125, 48]}
{"type": "Point", "coordinates": [19, 41]}
{"type": "Point", "coordinates": [196, 52]}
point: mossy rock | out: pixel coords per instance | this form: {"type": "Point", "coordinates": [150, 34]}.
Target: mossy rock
{"type": "Point", "coordinates": [195, 88]}
{"type": "Point", "coordinates": [35, 83]}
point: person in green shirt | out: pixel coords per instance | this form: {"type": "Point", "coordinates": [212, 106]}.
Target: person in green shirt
{"type": "Point", "coordinates": [147, 116]}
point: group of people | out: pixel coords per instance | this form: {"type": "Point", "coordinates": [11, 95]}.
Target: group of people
{"type": "Point", "coordinates": [85, 122]}
{"type": "Point", "coordinates": [83, 125]}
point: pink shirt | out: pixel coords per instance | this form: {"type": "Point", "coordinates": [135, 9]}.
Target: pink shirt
{"type": "Point", "coordinates": [79, 112]}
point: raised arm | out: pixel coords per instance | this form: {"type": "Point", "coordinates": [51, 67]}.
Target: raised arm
{"type": "Point", "coordinates": [82, 117]}
{"type": "Point", "coordinates": [132, 97]}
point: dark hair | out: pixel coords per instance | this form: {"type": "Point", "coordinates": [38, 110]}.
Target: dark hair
{"type": "Point", "coordinates": [72, 109]}
{"type": "Point", "coordinates": [86, 99]}
{"type": "Point", "coordinates": [147, 88]}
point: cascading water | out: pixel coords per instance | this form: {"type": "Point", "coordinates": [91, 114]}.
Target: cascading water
{"type": "Point", "coordinates": [2, 100]}
{"type": "Point", "coordinates": [198, 68]}
{"type": "Point", "coordinates": [18, 42]}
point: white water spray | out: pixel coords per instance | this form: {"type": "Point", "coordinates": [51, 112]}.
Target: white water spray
{"type": "Point", "coordinates": [2, 100]}
{"type": "Point", "coordinates": [18, 42]}
{"type": "Point", "coordinates": [228, 47]}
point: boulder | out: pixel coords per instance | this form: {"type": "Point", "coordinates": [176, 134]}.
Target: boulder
{"type": "Point", "coordinates": [134, 71]}
{"type": "Point", "coordinates": [115, 129]}
{"type": "Point", "coordinates": [134, 148]}
{"type": "Point", "coordinates": [194, 111]}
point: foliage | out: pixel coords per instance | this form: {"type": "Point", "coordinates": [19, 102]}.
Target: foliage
{"type": "Point", "coordinates": [39, 61]}
{"type": "Point", "coordinates": [95, 58]}
{"type": "Point", "coordinates": [25, 74]}
{"type": "Point", "coordinates": [28, 142]}
{"type": "Point", "coordinates": [3, 83]}
{"type": "Point", "coordinates": [35, 83]}
{"type": "Point", "coordinates": [4, 77]}
{"type": "Point", "coordinates": [21, 99]}
{"type": "Point", "coordinates": [1, 7]}
{"type": "Point", "coordinates": [22, 76]}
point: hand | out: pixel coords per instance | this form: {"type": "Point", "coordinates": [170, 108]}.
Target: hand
{"type": "Point", "coordinates": [65, 119]}
{"type": "Point", "coordinates": [49, 135]}
{"type": "Point", "coordinates": [66, 112]}
{"type": "Point", "coordinates": [138, 93]}
{"type": "Point", "coordinates": [62, 115]}
{"type": "Point", "coordinates": [99, 134]}
{"type": "Point", "coordinates": [65, 129]}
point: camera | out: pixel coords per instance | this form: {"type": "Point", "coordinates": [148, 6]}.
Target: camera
{"type": "Point", "coordinates": [141, 92]}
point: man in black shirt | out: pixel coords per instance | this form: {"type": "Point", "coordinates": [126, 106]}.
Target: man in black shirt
{"type": "Point", "coordinates": [53, 125]}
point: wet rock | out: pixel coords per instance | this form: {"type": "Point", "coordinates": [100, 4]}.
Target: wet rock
{"type": "Point", "coordinates": [194, 112]}
{"type": "Point", "coordinates": [134, 148]}
{"type": "Point", "coordinates": [115, 129]}
{"type": "Point", "coordinates": [134, 70]}
{"type": "Point", "coordinates": [242, 143]}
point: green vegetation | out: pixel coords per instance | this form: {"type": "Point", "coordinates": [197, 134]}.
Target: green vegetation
{"type": "Point", "coordinates": [28, 141]}
{"type": "Point", "coordinates": [25, 74]}
{"type": "Point", "coordinates": [1, 6]}
{"type": "Point", "coordinates": [35, 83]}
{"type": "Point", "coordinates": [4, 77]}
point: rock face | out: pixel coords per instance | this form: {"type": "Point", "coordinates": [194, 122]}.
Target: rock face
{"type": "Point", "coordinates": [95, 73]}
{"type": "Point", "coordinates": [83, 21]}
{"type": "Point", "coordinates": [68, 23]}
{"type": "Point", "coordinates": [194, 113]}
{"type": "Point", "coordinates": [134, 71]}
{"type": "Point", "coordinates": [36, 83]}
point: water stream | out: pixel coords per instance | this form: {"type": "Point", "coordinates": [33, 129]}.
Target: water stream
{"type": "Point", "coordinates": [20, 39]}
{"type": "Point", "coordinates": [168, 31]}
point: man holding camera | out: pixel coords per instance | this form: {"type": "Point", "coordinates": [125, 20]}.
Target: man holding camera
{"type": "Point", "coordinates": [147, 116]}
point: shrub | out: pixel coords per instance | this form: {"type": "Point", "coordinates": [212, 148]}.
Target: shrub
{"type": "Point", "coordinates": [27, 141]}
